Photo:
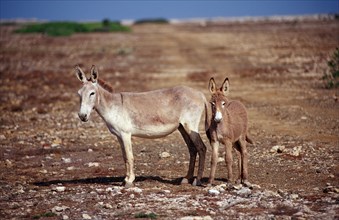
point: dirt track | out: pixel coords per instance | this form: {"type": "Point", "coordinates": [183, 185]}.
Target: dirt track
{"type": "Point", "coordinates": [274, 68]}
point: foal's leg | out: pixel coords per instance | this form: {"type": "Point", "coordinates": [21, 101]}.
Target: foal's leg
{"type": "Point", "coordinates": [229, 159]}
{"type": "Point", "coordinates": [237, 147]}
{"type": "Point", "coordinates": [126, 147]}
{"type": "Point", "coordinates": [214, 161]}
{"type": "Point", "coordinates": [244, 160]}
{"type": "Point", "coordinates": [193, 155]}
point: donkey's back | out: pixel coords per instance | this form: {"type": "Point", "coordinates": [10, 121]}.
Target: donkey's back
{"type": "Point", "coordinates": [158, 113]}
{"type": "Point", "coordinates": [238, 117]}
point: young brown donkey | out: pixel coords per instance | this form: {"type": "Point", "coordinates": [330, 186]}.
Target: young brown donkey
{"type": "Point", "coordinates": [228, 126]}
{"type": "Point", "coordinates": [150, 114]}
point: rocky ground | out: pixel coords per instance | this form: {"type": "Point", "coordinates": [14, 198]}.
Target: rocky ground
{"type": "Point", "coordinates": [55, 167]}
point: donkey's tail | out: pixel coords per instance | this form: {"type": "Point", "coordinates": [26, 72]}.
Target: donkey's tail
{"type": "Point", "coordinates": [249, 140]}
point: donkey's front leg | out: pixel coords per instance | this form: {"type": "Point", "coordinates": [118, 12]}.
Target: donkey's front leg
{"type": "Point", "coordinates": [229, 159]}
{"type": "Point", "coordinates": [214, 161]}
{"type": "Point", "coordinates": [127, 152]}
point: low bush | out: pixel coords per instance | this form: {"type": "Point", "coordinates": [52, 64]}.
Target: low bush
{"type": "Point", "coordinates": [69, 28]}
{"type": "Point", "coordinates": [152, 21]}
{"type": "Point", "coordinates": [331, 77]}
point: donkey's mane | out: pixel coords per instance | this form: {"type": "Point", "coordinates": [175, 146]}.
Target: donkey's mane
{"type": "Point", "coordinates": [105, 85]}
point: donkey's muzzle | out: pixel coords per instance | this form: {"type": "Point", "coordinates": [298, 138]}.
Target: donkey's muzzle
{"type": "Point", "coordinates": [217, 117]}
{"type": "Point", "coordinates": [83, 117]}
{"type": "Point", "coordinates": [217, 120]}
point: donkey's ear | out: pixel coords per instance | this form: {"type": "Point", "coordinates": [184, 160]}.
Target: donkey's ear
{"type": "Point", "coordinates": [80, 74]}
{"type": "Point", "coordinates": [225, 87]}
{"type": "Point", "coordinates": [211, 85]}
{"type": "Point", "coordinates": [94, 74]}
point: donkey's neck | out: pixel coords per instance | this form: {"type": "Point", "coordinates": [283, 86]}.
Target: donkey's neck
{"type": "Point", "coordinates": [106, 102]}
{"type": "Point", "coordinates": [224, 127]}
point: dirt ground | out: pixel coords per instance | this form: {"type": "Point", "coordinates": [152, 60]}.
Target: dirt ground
{"type": "Point", "coordinates": [53, 166]}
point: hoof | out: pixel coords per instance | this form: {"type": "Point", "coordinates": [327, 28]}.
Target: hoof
{"type": "Point", "coordinates": [238, 181]}
{"type": "Point", "coordinates": [128, 185]}
{"type": "Point", "coordinates": [184, 181]}
{"type": "Point", "coordinates": [235, 186]}
{"type": "Point", "coordinates": [209, 185]}
{"type": "Point", "coordinates": [197, 182]}
{"type": "Point", "coordinates": [246, 183]}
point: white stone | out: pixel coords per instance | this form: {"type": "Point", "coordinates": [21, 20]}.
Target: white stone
{"type": "Point", "coordinates": [165, 155]}
{"type": "Point", "coordinates": [136, 190]}
{"type": "Point", "coordinates": [296, 151]}
{"type": "Point", "coordinates": [66, 160]}
{"type": "Point", "coordinates": [109, 189]}
{"type": "Point", "coordinates": [59, 209]}
{"type": "Point", "coordinates": [196, 218]}
{"type": "Point", "coordinates": [237, 187]}
{"type": "Point", "coordinates": [86, 216]}
{"type": "Point", "coordinates": [108, 206]}
{"type": "Point", "coordinates": [214, 192]}
{"type": "Point", "coordinates": [221, 159]}
{"type": "Point", "coordinates": [244, 191]}
{"type": "Point", "coordinates": [92, 164]}
{"type": "Point", "coordinates": [60, 188]}
{"type": "Point", "coordinates": [294, 196]}
{"type": "Point", "coordinates": [166, 191]}
{"type": "Point", "coordinates": [71, 168]}
{"type": "Point", "coordinates": [8, 163]}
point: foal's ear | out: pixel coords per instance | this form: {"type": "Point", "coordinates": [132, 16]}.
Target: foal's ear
{"type": "Point", "coordinates": [211, 85]}
{"type": "Point", "coordinates": [94, 74]}
{"type": "Point", "coordinates": [80, 74]}
{"type": "Point", "coordinates": [225, 87]}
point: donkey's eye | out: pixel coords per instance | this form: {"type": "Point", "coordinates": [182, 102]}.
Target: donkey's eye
{"type": "Point", "coordinates": [92, 93]}
{"type": "Point", "coordinates": [223, 103]}
{"type": "Point", "coordinates": [213, 103]}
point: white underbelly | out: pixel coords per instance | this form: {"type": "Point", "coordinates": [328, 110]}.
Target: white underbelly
{"type": "Point", "coordinates": [154, 131]}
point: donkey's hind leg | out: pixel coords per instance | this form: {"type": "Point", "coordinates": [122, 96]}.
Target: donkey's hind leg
{"type": "Point", "coordinates": [244, 162]}
{"type": "Point", "coordinates": [200, 146]}
{"type": "Point", "coordinates": [237, 148]}
{"type": "Point", "coordinates": [193, 155]}
{"type": "Point", "coordinates": [195, 145]}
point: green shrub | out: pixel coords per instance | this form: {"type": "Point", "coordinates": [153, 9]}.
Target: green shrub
{"type": "Point", "coordinates": [331, 77]}
{"type": "Point", "coordinates": [69, 28]}
{"type": "Point", "coordinates": [54, 28]}
{"type": "Point", "coordinates": [109, 26]}
{"type": "Point", "coordinates": [152, 21]}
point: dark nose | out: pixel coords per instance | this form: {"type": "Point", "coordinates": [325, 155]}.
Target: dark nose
{"type": "Point", "coordinates": [83, 117]}
{"type": "Point", "coordinates": [217, 120]}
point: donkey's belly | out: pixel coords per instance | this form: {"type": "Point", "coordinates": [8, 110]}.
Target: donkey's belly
{"type": "Point", "coordinates": [154, 131]}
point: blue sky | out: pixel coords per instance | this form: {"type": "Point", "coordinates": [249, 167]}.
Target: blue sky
{"type": "Point", "coordinates": [138, 9]}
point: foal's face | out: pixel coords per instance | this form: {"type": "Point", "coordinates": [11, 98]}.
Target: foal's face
{"type": "Point", "coordinates": [218, 100]}
{"type": "Point", "coordinates": [88, 96]}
